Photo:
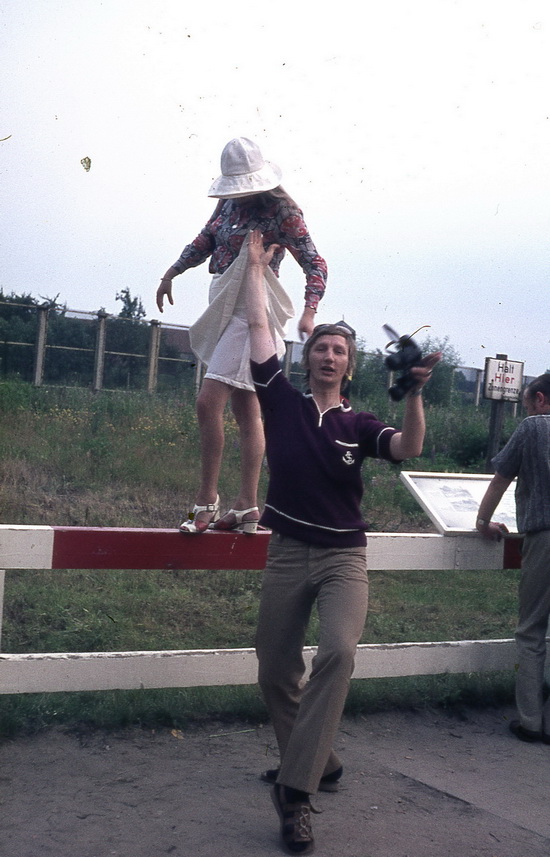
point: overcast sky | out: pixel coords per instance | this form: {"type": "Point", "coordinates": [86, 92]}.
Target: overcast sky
{"type": "Point", "coordinates": [414, 135]}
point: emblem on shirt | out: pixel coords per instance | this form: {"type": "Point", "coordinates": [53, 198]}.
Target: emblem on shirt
{"type": "Point", "coordinates": [348, 458]}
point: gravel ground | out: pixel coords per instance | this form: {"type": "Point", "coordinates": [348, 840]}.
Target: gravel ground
{"type": "Point", "coordinates": [416, 784]}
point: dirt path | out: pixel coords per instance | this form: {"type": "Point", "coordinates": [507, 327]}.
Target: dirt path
{"type": "Point", "coordinates": [416, 785]}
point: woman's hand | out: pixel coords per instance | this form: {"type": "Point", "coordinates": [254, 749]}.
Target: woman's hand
{"type": "Point", "coordinates": [257, 255]}
{"type": "Point", "coordinates": [165, 289]}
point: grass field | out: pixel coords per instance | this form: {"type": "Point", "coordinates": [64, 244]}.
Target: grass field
{"type": "Point", "coordinates": [68, 457]}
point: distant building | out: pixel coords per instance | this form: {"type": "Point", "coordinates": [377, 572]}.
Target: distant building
{"type": "Point", "coordinates": [178, 339]}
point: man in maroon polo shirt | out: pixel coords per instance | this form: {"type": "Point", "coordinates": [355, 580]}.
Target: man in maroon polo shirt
{"type": "Point", "coordinates": [315, 445]}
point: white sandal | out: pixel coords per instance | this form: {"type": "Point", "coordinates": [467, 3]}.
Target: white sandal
{"type": "Point", "coordinates": [190, 525]}
{"type": "Point", "coordinates": [240, 526]}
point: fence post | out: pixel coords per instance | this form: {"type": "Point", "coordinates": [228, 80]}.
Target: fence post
{"type": "Point", "coordinates": [2, 579]}
{"type": "Point", "coordinates": [287, 366]}
{"type": "Point", "coordinates": [479, 376]}
{"type": "Point", "coordinates": [99, 356]}
{"type": "Point", "coordinates": [496, 422]}
{"type": "Point", "coordinates": [40, 346]}
{"type": "Point", "coordinates": [154, 347]}
{"type": "Point", "coordinates": [199, 366]}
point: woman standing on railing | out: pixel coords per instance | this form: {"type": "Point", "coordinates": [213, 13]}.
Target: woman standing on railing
{"type": "Point", "coordinates": [251, 197]}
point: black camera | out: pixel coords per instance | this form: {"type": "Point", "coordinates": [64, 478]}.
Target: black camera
{"type": "Point", "coordinates": [405, 355]}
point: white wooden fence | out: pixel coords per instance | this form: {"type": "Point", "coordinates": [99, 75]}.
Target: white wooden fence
{"type": "Point", "coordinates": [101, 548]}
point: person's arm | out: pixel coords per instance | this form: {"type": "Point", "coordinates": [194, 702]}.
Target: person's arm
{"type": "Point", "coordinates": [296, 238]}
{"type": "Point", "coordinates": [262, 346]}
{"type": "Point", "coordinates": [492, 497]}
{"type": "Point", "coordinates": [192, 255]}
{"type": "Point", "coordinates": [165, 288]}
{"type": "Point", "coordinates": [408, 442]}
{"type": "Point", "coordinates": [307, 322]}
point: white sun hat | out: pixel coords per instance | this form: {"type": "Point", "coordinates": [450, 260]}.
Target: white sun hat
{"type": "Point", "coordinates": [244, 171]}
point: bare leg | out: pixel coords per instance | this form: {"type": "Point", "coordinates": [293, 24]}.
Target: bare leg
{"type": "Point", "coordinates": [211, 402]}
{"type": "Point", "coordinates": [251, 432]}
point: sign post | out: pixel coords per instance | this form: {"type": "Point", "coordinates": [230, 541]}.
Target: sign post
{"type": "Point", "coordinates": [503, 383]}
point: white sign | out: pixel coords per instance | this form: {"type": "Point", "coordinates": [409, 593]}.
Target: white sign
{"type": "Point", "coordinates": [452, 499]}
{"type": "Point", "coordinates": [503, 379]}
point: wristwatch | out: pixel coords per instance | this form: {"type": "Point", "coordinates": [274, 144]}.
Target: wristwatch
{"type": "Point", "coordinates": [481, 523]}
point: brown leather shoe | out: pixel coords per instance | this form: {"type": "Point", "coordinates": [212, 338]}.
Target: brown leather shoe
{"type": "Point", "coordinates": [329, 783]}
{"type": "Point", "coordinates": [527, 735]}
{"type": "Point", "coordinates": [296, 832]}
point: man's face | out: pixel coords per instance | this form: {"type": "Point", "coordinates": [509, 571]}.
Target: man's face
{"type": "Point", "coordinates": [328, 360]}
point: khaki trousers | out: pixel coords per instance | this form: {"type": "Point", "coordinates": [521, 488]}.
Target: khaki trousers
{"type": "Point", "coordinates": [534, 610]}
{"type": "Point", "coordinates": [306, 715]}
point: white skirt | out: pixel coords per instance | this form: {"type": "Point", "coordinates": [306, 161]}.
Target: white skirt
{"type": "Point", "coordinates": [220, 337]}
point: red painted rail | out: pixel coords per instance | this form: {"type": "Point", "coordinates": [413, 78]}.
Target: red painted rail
{"type": "Point", "coordinates": [105, 547]}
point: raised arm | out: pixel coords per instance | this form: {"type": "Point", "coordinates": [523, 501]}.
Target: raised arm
{"type": "Point", "coordinates": [262, 346]}
{"type": "Point", "coordinates": [409, 441]}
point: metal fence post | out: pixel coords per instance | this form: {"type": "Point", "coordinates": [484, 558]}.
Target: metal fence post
{"type": "Point", "coordinates": [287, 365]}
{"type": "Point", "coordinates": [2, 579]}
{"type": "Point", "coordinates": [153, 364]}
{"type": "Point", "coordinates": [40, 346]}
{"type": "Point", "coordinates": [99, 356]}
{"type": "Point", "coordinates": [479, 377]}
{"type": "Point", "coordinates": [199, 367]}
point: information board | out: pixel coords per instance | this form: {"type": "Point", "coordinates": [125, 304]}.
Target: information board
{"type": "Point", "coordinates": [451, 500]}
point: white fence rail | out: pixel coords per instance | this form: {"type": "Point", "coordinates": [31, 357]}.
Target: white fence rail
{"type": "Point", "coordinates": [24, 547]}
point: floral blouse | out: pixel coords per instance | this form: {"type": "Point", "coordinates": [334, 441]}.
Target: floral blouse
{"type": "Point", "coordinates": [280, 223]}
